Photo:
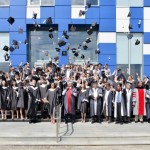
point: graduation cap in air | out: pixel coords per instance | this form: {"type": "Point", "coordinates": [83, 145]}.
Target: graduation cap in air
{"type": "Point", "coordinates": [73, 50]}
{"type": "Point", "coordinates": [25, 41]}
{"type": "Point", "coordinates": [56, 58]}
{"type": "Point", "coordinates": [65, 34]}
{"type": "Point", "coordinates": [7, 57]}
{"type": "Point", "coordinates": [89, 31]}
{"type": "Point", "coordinates": [88, 5]}
{"type": "Point", "coordinates": [76, 54]}
{"type": "Point", "coordinates": [94, 24]}
{"type": "Point", "coordinates": [6, 48]}
{"type": "Point", "coordinates": [85, 45]}
{"type": "Point", "coordinates": [64, 53]}
{"type": "Point", "coordinates": [130, 36]}
{"type": "Point", "coordinates": [20, 30]}
{"type": "Point", "coordinates": [51, 36]}
{"type": "Point", "coordinates": [34, 15]}
{"type": "Point", "coordinates": [79, 46]}
{"type": "Point", "coordinates": [57, 49]}
{"type": "Point", "coordinates": [37, 26]}
{"type": "Point", "coordinates": [88, 40]}
{"type": "Point", "coordinates": [51, 29]}
{"type": "Point", "coordinates": [139, 23]}
{"type": "Point", "coordinates": [61, 43]}
{"type": "Point", "coordinates": [15, 44]}
{"type": "Point", "coordinates": [81, 13]}
{"type": "Point", "coordinates": [11, 20]}
{"type": "Point", "coordinates": [82, 56]}
{"type": "Point", "coordinates": [97, 51]}
{"type": "Point", "coordinates": [67, 48]}
{"type": "Point", "coordinates": [11, 48]}
{"type": "Point", "coordinates": [137, 42]}
{"type": "Point", "coordinates": [129, 14]}
{"type": "Point", "coordinates": [130, 26]}
{"type": "Point", "coordinates": [73, 28]}
{"type": "Point", "coordinates": [49, 21]}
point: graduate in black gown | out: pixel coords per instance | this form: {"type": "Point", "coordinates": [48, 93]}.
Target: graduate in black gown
{"type": "Point", "coordinates": [34, 99]}
{"type": "Point", "coordinates": [4, 92]}
{"type": "Point", "coordinates": [52, 97]}
{"type": "Point", "coordinates": [82, 101]}
{"type": "Point", "coordinates": [13, 99]}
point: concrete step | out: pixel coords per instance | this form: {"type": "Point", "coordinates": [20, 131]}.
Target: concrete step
{"type": "Point", "coordinates": [75, 141]}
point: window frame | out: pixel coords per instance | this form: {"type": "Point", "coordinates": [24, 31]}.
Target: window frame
{"type": "Point", "coordinates": [29, 4]}
{"type": "Point", "coordinates": [129, 5]}
{"type": "Point", "coordinates": [85, 4]}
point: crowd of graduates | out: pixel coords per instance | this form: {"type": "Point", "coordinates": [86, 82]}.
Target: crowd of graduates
{"type": "Point", "coordinates": [88, 91]}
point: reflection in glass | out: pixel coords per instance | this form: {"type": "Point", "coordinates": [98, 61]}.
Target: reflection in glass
{"type": "Point", "coordinates": [4, 2]}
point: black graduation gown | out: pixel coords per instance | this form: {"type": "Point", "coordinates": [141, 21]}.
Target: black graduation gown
{"type": "Point", "coordinates": [4, 93]}
{"type": "Point", "coordinates": [33, 93]}
{"type": "Point", "coordinates": [13, 98]}
{"type": "Point", "coordinates": [51, 96]}
{"type": "Point", "coordinates": [99, 102]}
{"type": "Point", "coordinates": [83, 100]}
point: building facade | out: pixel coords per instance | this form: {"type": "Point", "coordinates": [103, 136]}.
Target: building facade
{"type": "Point", "coordinates": [110, 36]}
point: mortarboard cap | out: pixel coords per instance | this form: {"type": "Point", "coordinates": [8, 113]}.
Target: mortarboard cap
{"type": "Point", "coordinates": [97, 51]}
{"type": "Point", "coordinates": [130, 27]}
{"type": "Point", "coordinates": [82, 56]}
{"type": "Point", "coordinates": [51, 36]}
{"type": "Point", "coordinates": [34, 15]}
{"type": "Point", "coordinates": [64, 53]}
{"type": "Point", "coordinates": [137, 42]}
{"type": "Point", "coordinates": [129, 14]}
{"type": "Point", "coordinates": [6, 48]}
{"type": "Point", "coordinates": [51, 29]}
{"type": "Point", "coordinates": [89, 32]}
{"type": "Point", "coordinates": [85, 47]}
{"type": "Point", "coordinates": [11, 48]}
{"type": "Point", "coordinates": [88, 40]}
{"type": "Point", "coordinates": [73, 50]}
{"type": "Point", "coordinates": [7, 57]}
{"type": "Point", "coordinates": [61, 43]}
{"type": "Point", "coordinates": [49, 21]}
{"type": "Point", "coordinates": [129, 36]}
{"type": "Point", "coordinates": [76, 54]}
{"type": "Point", "coordinates": [57, 49]}
{"type": "Point", "coordinates": [88, 5]}
{"type": "Point", "coordinates": [11, 20]}
{"type": "Point", "coordinates": [81, 13]}
{"type": "Point", "coordinates": [20, 30]}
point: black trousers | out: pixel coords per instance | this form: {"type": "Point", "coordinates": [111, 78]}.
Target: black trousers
{"type": "Point", "coordinates": [69, 118]}
{"type": "Point", "coordinates": [119, 117]}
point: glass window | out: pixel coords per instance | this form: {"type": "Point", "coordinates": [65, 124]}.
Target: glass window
{"type": "Point", "coordinates": [41, 2]}
{"type": "Point", "coordinates": [41, 45]}
{"type": "Point", "coordinates": [4, 40]}
{"type": "Point", "coordinates": [136, 53]}
{"type": "Point", "coordinates": [84, 2]}
{"type": "Point", "coordinates": [77, 2]}
{"type": "Point", "coordinates": [4, 2]}
{"type": "Point", "coordinates": [128, 3]}
{"type": "Point", "coordinates": [78, 37]}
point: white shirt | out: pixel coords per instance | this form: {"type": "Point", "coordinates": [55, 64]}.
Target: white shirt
{"type": "Point", "coordinates": [68, 73]}
{"type": "Point", "coordinates": [95, 92]}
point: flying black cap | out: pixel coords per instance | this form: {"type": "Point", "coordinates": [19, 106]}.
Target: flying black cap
{"type": "Point", "coordinates": [61, 43]}
{"type": "Point", "coordinates": [51, 29]}
{"type": "Point", "coordinates": [81, 13]}
{"type": "Point", "coordinates": [129, 14]}
{"type": "Point", "coordinates": [76, 54]}
{"type": "Point", "coordinates": [85, 47]}
{"type": "Point", "coordinates": [89, 31]}
{"type": "Point", "coordinates": [6, 48]}
{"type": "Point", "coordinates": [49, 20]}
{"type": "Point", "coordinates": [130, 26]}
{"type": "Point", "coordinates": [57, 49]}
{"type": "Point", "coordinates": [11, 20]}
{"type": "Point", "coordinates": [7, 57]}
{"type": "Point", "coordinates": [88, 40]}
{"type": "Point", "coordinates": [97, 51]}
{"type": "Point", "coordinates": [129, 36]}
{"type": "Point", "coordinates": [82, 56]}
{"type": "Point", "coordinates": [34, 15]}
{"type": "Point", "coordinates": [11, 48]}
{"type": "Point", "coordinates": [137, 42]}
{"type": "Point", "coordinates": [51, 36]}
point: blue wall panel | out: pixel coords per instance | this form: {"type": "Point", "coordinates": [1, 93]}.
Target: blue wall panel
{"type": "Point", "coordinates": [90, 21]}
{"type": "Point", "coordinates": [146, 37]}
{"type": "Point", "coordinates": [107, 48]}
{"type": "Point", "coordinates": [47, 12]}
{"type": "Point", "coordinates": [136, 27]}
{"type": "Point", "coordinates": [107, 25]}
{"type": "Point", "coordinates": [147, 71]}
{"type": "Point", "coordinates": [61, 2]}
{"type": "Point", "coordinates": [18, 2]}
{"type": "Point", "coordinates": [63, 27]}
{"type": "Point", "coordinates": [78, 21]}
{"type": "Point", "coordinates": [146, 2]}
{"type": "Point", "coordinates": [136, 12]}
{"type": "Point", "coordinates": [17, 59]}
{"type": "Point", "coordinates": [63, 12]}
{"type": "Point", "coordinates": [18, 11]}
{"type": "Point", "coordinates": [4, 12]}
{"type": "Point", "coordinates": [103, 59]}
{"type": "Point", "coordinates": [107, 2]}
{"type": "Point", "coordinates": [18, 23]}
{"type": "Point", "coordinates": [92, 13]}
{"type": "Point", "coordinates": [146, 60]}
{"type": "Point", "coordinates": [107, 12]}
{"type": "Point", "coordinates": [4, 25]}
{"type": "Point", "coordinates": [60, 21]}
